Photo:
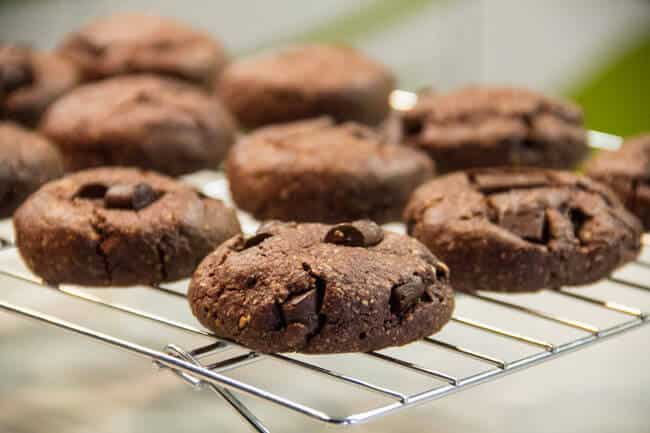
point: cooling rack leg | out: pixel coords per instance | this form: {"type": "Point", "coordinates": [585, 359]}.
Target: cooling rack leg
{"type": "Point", "coordinates": [254, 423]}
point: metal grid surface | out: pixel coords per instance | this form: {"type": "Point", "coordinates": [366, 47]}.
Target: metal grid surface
{"type": "Point", "coordinates": [215, 365]}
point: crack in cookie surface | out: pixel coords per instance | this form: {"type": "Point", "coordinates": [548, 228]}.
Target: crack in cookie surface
{"type": "Point", "coordinates": [522, 229]}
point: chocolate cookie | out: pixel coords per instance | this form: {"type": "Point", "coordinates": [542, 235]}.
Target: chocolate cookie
{"type": "Point", "coordinates": [316, 171]}
{"type": "Point", "coordinates": [143, 121]}
{"type": "Point", "coordinates": [627, 172]}
{"type": "Point", "coordinates": [522, 230]}
{"type": "Point", "coordinates": [140, 43]}
{"type": "Point", "coordinates": [307, 81]}
{"type": "Point", "coordinates": [315, 288]}
{"type": "Point", "coordinates": [495, 126]}
{"type": "Point", "coordinates": [30, 81]}
{"type": "Point", "coordinates": [27, 161]}
{"type": "Point", "coordinates": [119, 227]}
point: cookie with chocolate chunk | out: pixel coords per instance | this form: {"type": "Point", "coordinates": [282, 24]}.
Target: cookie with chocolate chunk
{"type": "Point", "coordinates": [144, 121]}
{"type": "Point", "coordinates": [306, 81]}
{"type": "Point", "coordinates": [317, 171]}
{"type": "Point", "coordinates": [131, 43]}
{"type": "Point", "coordinates": [30, 81]}
{"type": "Point", "coordinates": [485, 126]}
{"type": "Point", "coordinates": [27, 161]}
{"type": "Point", "coordinates": [627, 172]}
{"type": "Point", "coordinates": [315, 288]}
{"type": "Point", "coordinates": [119, 227]}
{"type": "Point", "coordinates": [516, 230]}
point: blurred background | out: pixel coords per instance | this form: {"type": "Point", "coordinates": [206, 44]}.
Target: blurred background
{"type": "Point", "coordinates": [596, 52]}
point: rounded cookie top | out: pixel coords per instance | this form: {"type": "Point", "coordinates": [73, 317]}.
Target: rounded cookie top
{"type": "Point", "coordinates": [119, 226]}
{"type": "Point", "coordinates": [488, 126]}
{"type": "Point", "coordinates": [141, 43]}
{"type": "Point", "coordinates": [30, 81]}
{"type": "Point", "coordinates": [627, 172]}
{"type": "Point", "coordinates": [315, 288]}
{"type": "Point", "coordinates": [143, 121]}
{"type": "Point", "coordinates": [317, 171]}
{"type": "Point", "coordinates": [522, 229]}
{"type": "Point", "coordinates": [307, 81]}
{"type": "Point", "coordinates": [27, 160]}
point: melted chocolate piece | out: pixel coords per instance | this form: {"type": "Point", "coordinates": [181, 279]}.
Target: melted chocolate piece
{"type": "Point", "coordinates": [362, 233]}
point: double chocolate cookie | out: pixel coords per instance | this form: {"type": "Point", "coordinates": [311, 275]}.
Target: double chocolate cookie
{"type": "Point", "coordinates": [495, 126]}
{"type": "Point", "coordinates": [315, 288]}
{"type": "Point", "coordinates": [627, 172]}
{"type": "Point", "coordinates": [30, 81]}
{"type": "Point", "coordinates": [522, 230]}
{"type": "Point", "coordinates": [139, 43]}
{"type": "Point", "coordinates": [307, 81]}
{"type": "Point", "coordinates": [27, 161]}
{"type": "Point", "coordinates": [144, 121]}
{"type": "Point", "coordinates": [316, 171]}
{"type": "Point", "coordinates": [119, 227]}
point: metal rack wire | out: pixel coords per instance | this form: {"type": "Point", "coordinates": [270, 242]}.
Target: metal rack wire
{"type": "Point", "coordinates": [194, 365]}
{"type": "Point", "coordinates": [189, 365]}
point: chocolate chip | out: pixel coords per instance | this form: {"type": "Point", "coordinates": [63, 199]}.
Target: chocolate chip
{"type": "Point", "coordinates": [406, 295]}
{"type": "Point", "coordinates": [362, 233]}
{"type": "Point", "coordinates": [263, 232]}
{"type": "Point", "coordinates": [135, 197]}
{"type": "Point", "coordinates": [302, 308]}
{"type": "Point", "coordinates": [256, 239]}
{"type": "Point", "coordinates": [529, 224]}
{"type": "Point", "coordinates": [92, 191]}
{"type": "Point", "coordinates": [492, 183]}
{"type": "Point", "coordinates": [143, 196]}
{"type": "Point", "coordinates": [14, 76]}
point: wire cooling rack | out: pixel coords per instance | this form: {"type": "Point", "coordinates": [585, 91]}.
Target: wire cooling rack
{"type": "Point", "coordinates": [216, 365]}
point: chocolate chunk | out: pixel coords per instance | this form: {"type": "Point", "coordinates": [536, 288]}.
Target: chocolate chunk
{"type": "Point", "coordinates": [302, 308]}
{"type": "Point", "coordinates": [143, 196]}
{"type": "Point", "coordinates": [256, 239]}
{"type": "Point", "coordinates": [406, 295]}
{"type": "Point", "coordinates": [490, 183]}
{"type": "Point", "coordinates": [133, 197]}
{"type": "Point", "coordinates": [362, 233]}
{"type": "Point", "coordinates": [528, 224]}
{"type": "Point", "coordinates": [263, 232]}
{"type": "Point", "coordinates": [120, 197]}
{"type": "Point", "coordinates": [92, 191]}
{"type": "Point", "coordinates": [14, 76]}
{"type": "Point", "coordinates": [578, 219]}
